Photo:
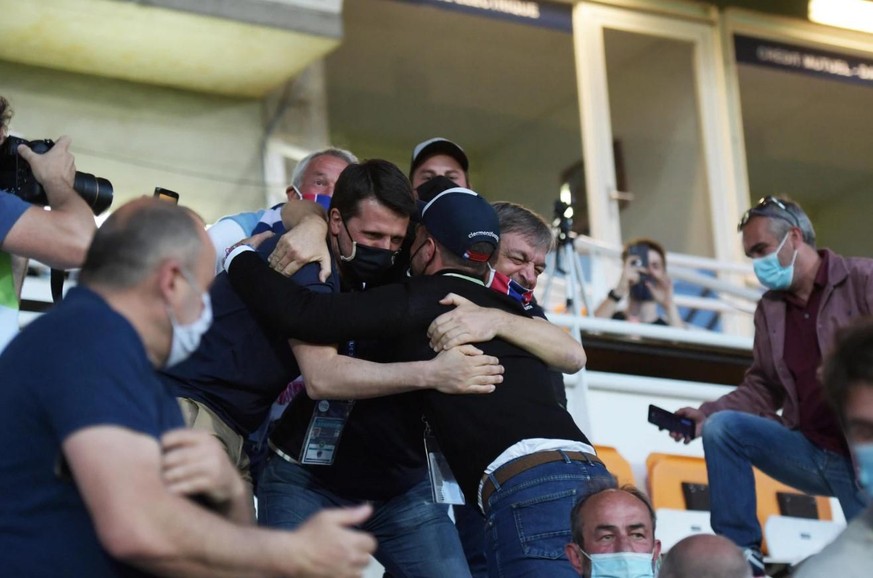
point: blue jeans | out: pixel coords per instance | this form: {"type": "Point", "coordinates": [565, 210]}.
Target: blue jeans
{"type": "Point", "coordinates": [734, 441]}
{"type": "Point", "coordinates": [528, 518]}
{"type": "Point", "coordinates": [416, 536]}
{"type": "Point", "coordinates": [471, 531]}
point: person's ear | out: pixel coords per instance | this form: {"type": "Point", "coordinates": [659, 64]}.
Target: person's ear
{"type": "Point", "coordinates": [429, 249]}
{"type": "Point", "coordinates": [577, 560]}
{"type": "Point", "coordinates": [334, 222]}
{"type": "Point", "coordinates": [292, 193]}
{"type": "Point", "coordinates": [167, 278]}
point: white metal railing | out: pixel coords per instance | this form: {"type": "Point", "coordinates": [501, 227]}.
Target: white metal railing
{"type": "Point", "coordinates": [735, 294]}
{"type": "Point", "coordinates": [652, 386]}
{"type": "Point", "coordinates": [584, 324]}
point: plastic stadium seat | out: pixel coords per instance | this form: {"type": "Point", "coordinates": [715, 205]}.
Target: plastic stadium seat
{"type": "Point", "coordinates": [767, 488]}
{"type": "Point", "coordinates": [675, 525]}
{"type": "Point", "coordinates": [667, 472]}
{"type": "Point", "coordinates": [616, 464]}
{"type": "Point", "coordinates": [790, 540]}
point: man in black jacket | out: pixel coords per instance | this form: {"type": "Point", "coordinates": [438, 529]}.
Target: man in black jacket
{"type": "Point", "coordinates": [515, 452]}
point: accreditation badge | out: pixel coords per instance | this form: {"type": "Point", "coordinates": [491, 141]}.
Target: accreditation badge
{"type": "Point", "coordinates": [329, 418]}
{"type": "Point", "coordinates": [443, 485]}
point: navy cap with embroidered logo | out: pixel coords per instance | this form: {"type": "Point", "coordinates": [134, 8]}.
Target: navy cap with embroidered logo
{"type": "Point", "coordinates": [459, 219]}
{"type": "Point", "coordinates": [435, 146]}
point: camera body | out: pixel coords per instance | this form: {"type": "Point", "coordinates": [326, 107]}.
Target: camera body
{"type": "Point", "coordinates": [640, 254]}
{"type": "Point", "coordinates": [17, 177]}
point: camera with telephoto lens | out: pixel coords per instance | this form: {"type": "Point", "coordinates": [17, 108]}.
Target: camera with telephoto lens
{"type": "Point", "coordinates": [17, 177]}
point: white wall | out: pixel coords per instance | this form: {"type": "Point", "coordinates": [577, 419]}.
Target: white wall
{"type": "Point", "coordinates": [206, 148]}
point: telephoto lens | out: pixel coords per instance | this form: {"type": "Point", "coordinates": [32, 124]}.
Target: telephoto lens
{"type": "Point", "coordinates": [96, 191]}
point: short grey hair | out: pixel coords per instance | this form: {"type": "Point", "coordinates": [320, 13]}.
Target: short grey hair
{"type": "Point", "coordinates": [780, 227]}
{"type": "Point", "coordinates": [779, 222]}
{"type": "Point", "coordinates": [131, 244]}
{"type": "Point", "coordinates": [300, 169]}
{"type": "Point", "coordinates": [515, 218]}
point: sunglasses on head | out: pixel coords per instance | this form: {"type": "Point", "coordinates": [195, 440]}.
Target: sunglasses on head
{"type": "Point", "coordinates": [769, 206]}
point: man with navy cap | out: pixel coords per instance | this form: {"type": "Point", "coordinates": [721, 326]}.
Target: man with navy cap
{"type": "Point", "coordinates": [516, 453]}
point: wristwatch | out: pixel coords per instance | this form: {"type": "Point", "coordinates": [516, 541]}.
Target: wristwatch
{"type": "Point", "coordinates": [614, 296]}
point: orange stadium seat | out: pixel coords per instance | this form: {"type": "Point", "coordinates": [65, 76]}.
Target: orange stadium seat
{"type": "Point", "coordinates": [616, 464]}
{"type": "Point", "coordinates": [767, 490]}
{"type": "Point", "coordinates": [667, 472]}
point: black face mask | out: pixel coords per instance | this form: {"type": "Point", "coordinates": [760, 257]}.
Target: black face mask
{"type": "Point", "coordinates": [366, 264]}
{"type": "Point", "coordinates": [411, 259]}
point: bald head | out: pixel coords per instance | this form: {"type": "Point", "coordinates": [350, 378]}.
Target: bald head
{"type": "Point", "coordinates": [705, 556]}
{"type": "Point", "coordinates": [611, 521]}
{"type": "Point", "coordinates": [137, 237]}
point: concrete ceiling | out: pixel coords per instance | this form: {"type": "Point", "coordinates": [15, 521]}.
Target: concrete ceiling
{"type": "Point", "coordinates": [807, 137]}
{"type": "Point", "coordinates": [406, 72]}
{"type": "Point", "coordinates": [242, 48]}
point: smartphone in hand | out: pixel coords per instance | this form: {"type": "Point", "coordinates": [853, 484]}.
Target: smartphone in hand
{"type": "Point", "coordinates": [670, 421]}
{"type": "Point", "coordinates": [640, 255]}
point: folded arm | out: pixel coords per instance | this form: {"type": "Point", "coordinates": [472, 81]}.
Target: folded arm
{"type": "Point", "coordinates": [143, 524]}
{"type": "Point", "coordinates": [194, 463]}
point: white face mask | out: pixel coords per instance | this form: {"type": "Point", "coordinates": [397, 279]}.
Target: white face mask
{"type": "Point", "coordinates": [621, 565]}
{"type": "Point", "coordinates": [186, 338]}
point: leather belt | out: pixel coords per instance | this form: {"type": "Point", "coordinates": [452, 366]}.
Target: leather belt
{"type": "Point", "coordinates": [512, 468]}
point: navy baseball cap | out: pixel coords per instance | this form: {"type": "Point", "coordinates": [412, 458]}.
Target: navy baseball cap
{"type": "Point", "coordinates": [432, 187]}
{"type": "Point", "coordinates": [435, 146]}
{"type": "Point", "coordinates": [459, 218]}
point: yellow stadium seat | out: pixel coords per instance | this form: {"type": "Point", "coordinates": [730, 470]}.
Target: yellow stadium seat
{"type": "Point", "coordinates": [666, 472]}
{"type": "Point", "coordinates": [766, 489]}
{"type": "Point", "coordinates": [616, 464]}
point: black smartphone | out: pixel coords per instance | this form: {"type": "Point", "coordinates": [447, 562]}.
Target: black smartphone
{"type": "Point", "coordinates": [670, 421]}
{"type": "Point", "coordinates": [696, 496]}
{"type": "Point", "coordinates": [639, 254]}
{"type": "Point", "coordinates": [797, 505]}
{"type": "Point", "coordinates": [167, 195]}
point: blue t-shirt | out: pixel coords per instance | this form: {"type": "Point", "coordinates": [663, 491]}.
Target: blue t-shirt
{"type": "Point", "coordinates": [11, 209]}
{"type": "Point", "coordinates": [80, 365]}
{"type": "Point", "coordinates": [241, 366]}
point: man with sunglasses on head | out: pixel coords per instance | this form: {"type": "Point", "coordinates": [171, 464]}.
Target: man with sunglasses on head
{"type": "Point", "coordinates": [811, 294]}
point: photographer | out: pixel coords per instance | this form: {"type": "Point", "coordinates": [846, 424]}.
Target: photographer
{"type": "Point", "coordinates": [58, 238]}
{"type": "Point", "coordinates": [645, 283]}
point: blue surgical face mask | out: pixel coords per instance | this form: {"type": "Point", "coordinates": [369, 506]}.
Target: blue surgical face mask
{"type": "Point", "coordinates": [621, 565]}
{"type": "Point", "coordinates": [770, 271]}
{"type": "Point", "coordinates": [864, 459]}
